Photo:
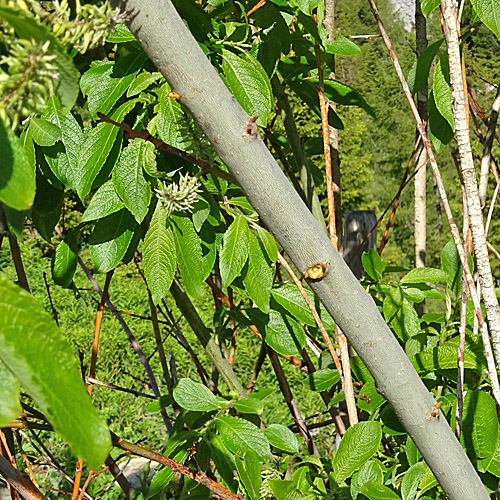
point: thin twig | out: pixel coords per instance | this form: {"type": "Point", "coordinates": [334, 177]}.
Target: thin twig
{"type": "Point", "coordinates": [256, 370]}
{"type": "Point", "coordinates": [108, 385]}
{"type": "Point", "coordinates": [206, 167]}
{"type": "Point", "coordinates": [199, 477]}
{"type": "Point", "coordinates": [492, 373]}
{"type": "Point", "coordinates": [93, 363]}
{"type": "Point", "coordinates": [54, 312]}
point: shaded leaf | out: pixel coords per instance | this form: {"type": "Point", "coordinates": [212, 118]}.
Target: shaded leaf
{"type": "Point", "coordinates": [159, 255]}
{"type": "Point", "coordinates": [248, 467]}
{"type": "Point", "coordinates": [284, 334]}
{"type": "Point", "coordinates": [29, 343]}
{"type": "Point", "coordinates": [10, 391]}
{"type": "Point", "coordinates": [64, 260]}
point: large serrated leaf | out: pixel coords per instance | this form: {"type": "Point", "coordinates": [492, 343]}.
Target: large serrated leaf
{"type": "Point", "coordinates": [9, 395]}
{"type": "Point", "coordinates": [479, 427]}
{"type": "Point", "coordinates": [369, 471]}
{"type": "Point", "coordinates": [290, 297]}
{"type": "Point", "coordinates": [234, 252]}
{"type": "Point", "coordinates": [189, 255]}
{"type": "Point", "coordinates": [110, 240]}
{"type": "Point", "coordinates": [66, 77]}
{"type": "Point", "coordinates": [104, 202]}
{"type": "Point", "coordinates": [284, 334]}
{"type": "Point", "coordinates": [419, 72]}
{"type": "Point", "coordinates": [95, 148]}
{"type": "Point", "coordinates": [441, 90]}
{"type": "Point", "coordinates": [171, 122]}
{"type": "Point", "coordinates": [17, 173]}
{"type": "Point", "coordinates": [358, 444]}
{"type": "Point", "coordinates": [241, 435]}
{"type": "Point", "coordinates": [376, 491]}
{"type": "Point", "coordinates": [423, 275]}
{"type": "Point", "coordinates": [282, 438]}
{"type": "Point", "coordinates": [43, 132]}
{"type": "Point", "coordinates": [249, 83]}
{"type": "Point", "coordinates": [64, 260]}
{"type": "Point", "coordinates": [411, 480]}
{"type": "Point", "coordinates": [258, 279]}
{"type": "Point", "coordinates": [37, 353]}
{"type": "Point", "coordinates": [194, 396]}
{"type": "Point", "coordinates": [159, 255]}
{"type": "Point", "coordinates": [488, 12]}
{"type": "Point", "coordinates": [129, 180]}
{"type": "Point", "coordinates": [248, 467]}
{"type": "Point", "coordinates": [105, 82]}
{"type": "Point", "coordinates": [440, 131]}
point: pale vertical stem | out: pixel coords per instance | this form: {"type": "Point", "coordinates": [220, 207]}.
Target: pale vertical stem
{"type": "Point", "coordinates": [420, 197]}
{"type": "Point", "coordinates": [488, 143]}
{"type": "Point", "coordinates": [463, 326]}
{"type": "Point", "coordinates": [449, 10]}
{"type": "Point", "coordinates": [332, 173]}
{"type": "Point", "coordinates": [492, 373]}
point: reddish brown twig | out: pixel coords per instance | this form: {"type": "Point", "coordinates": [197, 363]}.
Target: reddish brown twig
{"type": "Point", "coordinates": [19, 481]}
{"type": "Point", "coordinates": [93, 362]}
{"type": "Point", "coordinates": [257, 6]}
{"type": "Point", "coordinates": [130, 133]}
{"type": "Point", "coordinates": [199, 477]}
{"type": "Point", "coordinates": [396, 201]}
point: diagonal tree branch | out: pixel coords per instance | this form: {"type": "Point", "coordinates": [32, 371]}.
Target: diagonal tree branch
{"type": "Point", "coordinates": [170, 45]}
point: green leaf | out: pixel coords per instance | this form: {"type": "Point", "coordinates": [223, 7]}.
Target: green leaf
{"type": "Point", "coordinates": [248, 467]}
{"type": "Point", "coordinates": [17, 172]}
{"type": "Point", "coordinates": [189, 256]}
{"type": "Point", "coordinates": [142, 81]}
{"type": "Point", "coordinates": [488, 12]}
{"type": "Point", "coordinates": [369, 471]}
{"type": "Point", "coordinates": [47, 207]}
{"type": "Point", "coordinates": [96, 147]}
{"type": "Point", "coordinates": [405, 322]}
{"type": "Point", "coordinates": [249, 83]}
{"type": "Point", "coordinates": [450, 262]}
{"type": "Point", "coordinates": [223, 460]}
{"type": "Point", "coordinates": [428, 6]}
{"type": "Point", "coordinates": [341, 46]}
{"type": "Point", "coordinates": [376, 491]}
{"type": "Point", "coordinates": [66, 81]}
{"type": "Point", "coordinates": [43, 132]}
{"type": "Point", "coordinates": [373, 264]}
{"type": "Point", "coordinates": [373, 399]}
{"type": "Point", "coordinates": [441, 89]}
{"type": "Point", "coordinates": [269, 243]}
{"type": "Point", "coordinates": [120, 34]}
{"type": "Point", "coordinates": [284, 334]}
{"type": "Point", "coordinates": [308, 93]}
{"type": "Point", "coordinates": [423, 275]}
{"type": "Point", "coordinates": [343, 94]}
{"type": "Point", "coordinates": [411, 480]}
{"type": "Point", "coordinates": [30, 342]}
{"type": "Point", "coordinates": [10, 390]}
{"type": "Point", "coordinates": [412, 453]}
{"type": "Point", "coordinates": [104, 202]}
{"type": "Point", "coordinates": [64, 260]}
{"type": "Point", "coordinates": [171, 121]}
{"type": "Point", "coordinates": [440, 130]}
{"type": "Point", "coordinates": [357, 446]}
{"type": "Point", "coordinates": [290, 298]}
{"type": "Point", "coordinates": [129, 180]}
{"type": "Point", "coordinates": [159, 255]}
{"type": "Point", "coordinates": [307, 6]}
{"type": "Point", "coordinates": [258, 279]}
{"type": "Point", "coordinates": [62, 158]}
{"type": "Point", "coordinates": [105, 82]}
{"type": "Point", "coordinates": [247, 405]}
{"type": "Point", "coordinates": [445, 357]}
{"type": "Point", "coordinates": [110, 240]}
{"type": "Point", "coordinates": [322, 380]}
{"type": "Point", "coordinates": [494, 465]}
{"type": "Point", "coordinates": [194, 396]}
{"type": "Point", "coordinates": [285, 490]}
{"type": "Point", "coordinates": [419, 72]}
{"type": "Point", "coordinates": [479, 427]}
{"type": "Point", "coordinates": [241, 435]}
{"type": "Point", "coordinates": [15, 220]}
{"type": "Point", "coordinates": [282, 438]}
{"type": "Point", "coordinates": [234, 252]}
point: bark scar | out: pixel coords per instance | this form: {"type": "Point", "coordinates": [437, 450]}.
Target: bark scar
{"type": "Point", "coordinates": [316, 271]}
{"type": "Point", "coordinates": [250, 130]}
